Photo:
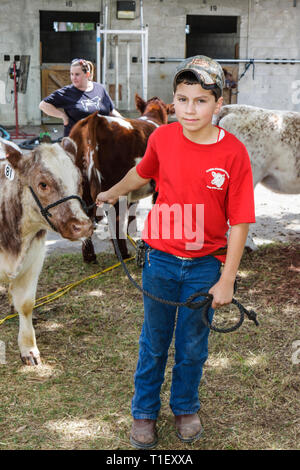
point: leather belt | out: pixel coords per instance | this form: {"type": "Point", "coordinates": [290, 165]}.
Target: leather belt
{"type": "Point", "coordinates": [218, 252]}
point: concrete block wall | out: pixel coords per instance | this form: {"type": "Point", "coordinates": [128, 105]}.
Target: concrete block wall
{"type": "Point", "coordinates": [268, 29]}
{"type": "Point", "coordinates": [20, 34]}
{"type": "Point", "coordinates": [273, 33]}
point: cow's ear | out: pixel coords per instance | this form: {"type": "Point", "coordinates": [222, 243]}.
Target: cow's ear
{"type": "Point", "coordinates": [11, 152]}
{"type": "Point", "coordinates": [69, 146]}
{"type": "Point", "coordinates": [140, 103]}
{"type": "Point", "coordinates": [170, 108]}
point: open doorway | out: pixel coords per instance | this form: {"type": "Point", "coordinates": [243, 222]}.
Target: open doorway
{"type": "Point", "coordinates": [64, 36]}
{"type": "Point", "coordinates": [217, 37]}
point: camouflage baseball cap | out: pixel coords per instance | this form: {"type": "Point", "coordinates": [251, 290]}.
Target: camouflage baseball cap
{"type": "Point", "coordinates": [207, 71]}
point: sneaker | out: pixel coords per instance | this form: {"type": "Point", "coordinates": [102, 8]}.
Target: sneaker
{"type": "Point", "coordinates": [188, 427]}
{"type": "Point", "coordinates": [143, 433]}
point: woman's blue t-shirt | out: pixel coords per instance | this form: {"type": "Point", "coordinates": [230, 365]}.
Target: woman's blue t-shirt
{"type": "Point", "coordinates": [79, 104]}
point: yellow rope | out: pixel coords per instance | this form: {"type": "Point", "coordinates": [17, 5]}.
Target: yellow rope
{"type": "Point", "coordinates": [131, 241]}
{"type": "Point", "coordinates": [8, 318]}
{"type": "Point", "coordinates": [63, 290]}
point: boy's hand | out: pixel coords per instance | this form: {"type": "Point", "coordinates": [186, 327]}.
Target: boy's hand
{"type": "Point", "coordinates": [222, 293]}
{"type": "Point", "coordinates": [130, 182]}
{"type": "Point", "coordinates": [105, 196]}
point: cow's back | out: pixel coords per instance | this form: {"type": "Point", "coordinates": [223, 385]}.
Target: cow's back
{"type": "Point", "coordinates": [111, 144]}
{"type": "Point", "coordinates": [272, 138]}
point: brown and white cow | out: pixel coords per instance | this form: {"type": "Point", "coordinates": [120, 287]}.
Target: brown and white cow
{"type": "Point", "coordinates": [107, 147]}
{"type": "Point", "coordinates": [272, 138]}
{"type": "Point", "coordinates": [51, 173]}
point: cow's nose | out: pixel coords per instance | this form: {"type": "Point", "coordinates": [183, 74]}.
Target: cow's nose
{"type": "Point", "coordinates": [81, 228]}
{"type": "Point", "coordinates": [76, 228]}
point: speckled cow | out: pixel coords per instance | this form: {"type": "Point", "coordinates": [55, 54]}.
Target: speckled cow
{"type": "Point", "coordinates": [51, 173]}
{"type": "Point", "coordinates": [272, 138]}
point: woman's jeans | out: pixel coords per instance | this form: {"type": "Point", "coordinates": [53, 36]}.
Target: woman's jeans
{"type": "Point", "coordinates": [172, 278]}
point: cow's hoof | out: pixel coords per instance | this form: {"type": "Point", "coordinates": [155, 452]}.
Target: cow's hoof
{"type": "Point", "coordinates": [31, 360]}
{"type": "Point", "coordinates": [92, 260]}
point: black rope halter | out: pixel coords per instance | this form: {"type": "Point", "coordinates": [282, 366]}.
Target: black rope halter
{"type": "Point", "coordinates": [45, 210]}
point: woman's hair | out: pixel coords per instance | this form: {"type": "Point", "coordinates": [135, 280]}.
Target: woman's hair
{"type": "Point", "coordinates": [86, 66]}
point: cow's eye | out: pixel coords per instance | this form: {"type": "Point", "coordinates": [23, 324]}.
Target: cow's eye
{"type": "Point", "coordinates": [43, 185]}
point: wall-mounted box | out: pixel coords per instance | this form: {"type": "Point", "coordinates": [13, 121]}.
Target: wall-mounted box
{"type": "Point", "coordinates": [125, 10]}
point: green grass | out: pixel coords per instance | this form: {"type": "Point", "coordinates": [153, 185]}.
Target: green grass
{"type": "Point", "coordinates": [79, 398]}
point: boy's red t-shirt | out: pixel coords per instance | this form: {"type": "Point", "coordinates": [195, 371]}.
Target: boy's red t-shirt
{"type": "Point", "coordinates": [201, 189]}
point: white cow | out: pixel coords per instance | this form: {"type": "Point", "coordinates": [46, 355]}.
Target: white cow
{"type": "Point", "coordinates": [272, 139]}
{"type": "Point", "coordinates": [43, 176]}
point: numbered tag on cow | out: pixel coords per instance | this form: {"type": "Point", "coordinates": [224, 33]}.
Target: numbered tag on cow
{"type": "Point", "coordinates": [9, 172]}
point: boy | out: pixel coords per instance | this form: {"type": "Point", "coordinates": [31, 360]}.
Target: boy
{"type": "Point", "coordinates": [204, 178]}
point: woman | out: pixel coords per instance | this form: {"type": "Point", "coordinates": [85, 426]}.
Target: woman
{"type": "Point", "coordinates": [77, 101]}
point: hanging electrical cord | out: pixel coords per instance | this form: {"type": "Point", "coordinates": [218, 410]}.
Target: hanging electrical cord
{"type": "Point", "coordinates": [247, 66]}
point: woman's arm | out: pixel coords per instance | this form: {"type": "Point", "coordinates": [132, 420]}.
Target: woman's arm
{"type": "Point", "coordinates": [222, 291]}
{"type": "Point", "coordinates": [131, 181]}
{"type": "Point", "coordinates": [51, 110]}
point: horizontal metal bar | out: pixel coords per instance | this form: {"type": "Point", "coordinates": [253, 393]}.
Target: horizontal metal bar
{"type": "Point", "coordinates": [261, 61]}
{"type": "Point", "coordinates": [122, 31]}
{"type": "Point", "coordinates": [232, 61]}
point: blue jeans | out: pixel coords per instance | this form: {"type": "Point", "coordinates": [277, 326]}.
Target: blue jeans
{"type": "Point", "coordinates": [171, 278]}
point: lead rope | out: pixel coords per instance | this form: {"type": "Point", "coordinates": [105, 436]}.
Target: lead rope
{"type": "Point", "coordinates": [190, 303]}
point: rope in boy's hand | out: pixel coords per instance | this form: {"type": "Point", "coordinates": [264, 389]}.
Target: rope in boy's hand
{"type": "Point", "coordinates": [190, 303]}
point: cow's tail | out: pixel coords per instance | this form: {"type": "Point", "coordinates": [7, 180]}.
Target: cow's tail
{"type": "Point", "coordinates": [224, 111]}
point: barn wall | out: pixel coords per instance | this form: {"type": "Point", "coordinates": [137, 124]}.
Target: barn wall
{"type": "Point", "coordinates": [20, 34]}
{"type": "Point", "coordinates": [268, 29]}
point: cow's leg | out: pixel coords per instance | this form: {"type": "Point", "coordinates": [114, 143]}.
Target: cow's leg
{"type": "Point", "coordinates": [88, 252]}
{"type": "Point", "coordinates": [10, 300]}
{"type": "Point", "coordinates": [23, 291]}
{"type": "Point", "coordinates": [250, 244]}
{"type": "Point", "coordinates": [29, 352]}
{"type": "Point", "coordinates": [87, 247]}
{"type": "Point", "coordinates": [121, 223]}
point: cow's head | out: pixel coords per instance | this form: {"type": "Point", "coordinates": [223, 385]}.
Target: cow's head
{"type": "Point", "coordinates": [155, 108]}
{"type": "Point", "coordinates": [50, 171]}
